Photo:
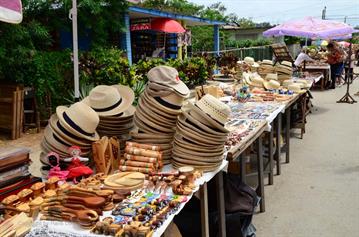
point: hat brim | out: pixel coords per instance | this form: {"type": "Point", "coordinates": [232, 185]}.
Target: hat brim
{"type": "Point", "coordinates": [205, 118]}
{"type": "Point", "coordinates": [219, 140]}
{"type": "Point", "coordinates": [127, 96]}
{"type": "Point", "coordinates": [268, 86]}
{"type": "Point", "coordinates": [145, 112]}
{"type": "Point", "coordinates": [135, 134]}
{"type": "Point", "coordinates": [161, 109]}
{"type": "Point", "coordinates": [146, 124]}
{"type": "Point", "coordinates": [66, 135]}
{"type": "Point", "coordinates": [59, 111]}
{"type": "Point", "coordinates": [126, 115]}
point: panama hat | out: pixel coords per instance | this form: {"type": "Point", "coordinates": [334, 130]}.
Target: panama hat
{"type": "Point", "coordinates": [149, 115]}
{"type": "Point", "coordinates": [304, 83]}
{"type": "Point", "coordinates": [194, 127]}
{"type": "Point", "coordinates": [255, 81]}
{"type": "Point", "coordinates": [286, 83]}
{"type": "Point", "coordinates": [197, 136]}
{"type": "Point", "coordinates": [144, 102]}
{"type": "Point", "coordinates": [162, 108]}
{"type": "Point", "coordinates": [185, 145]}
{"type": "Point", "coordinates": [168, 76]}
{"type": "Point", "coordinates": [271, 76]}
{"type": "Point", "coordinates": [110, 100]}
{"type": "Point", "coordinates": [200, 123]}
{"type": "Point", "coordinates": [80, 120]}
{"type": "Point", "coordinates": [65, 134]}
{"type": "Point", "coordinates": [272, 84]}
{"type": "Point", "coordinates": [267, 62]}
{"type": "Point", "coordinates": [295, 87]}
{"type": "Point", "coordinates": [155, 124]}
{"type": "Point", "coordinates": [125, 115]}
{"type": "Point", "coordinates": [181, 150]}
{"type": "Point", "coordinates": [150, 127]}
{"type": "Point", "coordinates": [216, 109]}
{"type": "Point", "coordinates": [287, 64]}
{"type": "Point", "coordinates": [137, 135]}
{"type": "Point", "coordinates": [249, 60]}
{"type": "Point", "coordinates": [203, 167]}
{"type": "Point", "coordinates": [192, 159]}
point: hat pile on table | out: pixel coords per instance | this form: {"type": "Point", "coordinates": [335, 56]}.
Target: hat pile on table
{"type": "Point", "coordinates": [253, 79]}
{"type": "Point", "coordinates": [266, 66]}
{"type": "Point", "coordinates": [70, 126]}
{"type": "Point", "coordinates": [271, 81]}
{"type": "Point", "coordinates": [252, 63]}
{"type": "Point", "coordinates": [160, 104]}
{"type": "Point", "coordinates": [113, 104]}
{"type": "Point", "coordinates": [284, 70]}
{"type": "Point", "coordinates": [201, 134]}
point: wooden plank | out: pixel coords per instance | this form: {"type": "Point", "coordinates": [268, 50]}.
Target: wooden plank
{"type": "Point", "coordinates": [13, 111]}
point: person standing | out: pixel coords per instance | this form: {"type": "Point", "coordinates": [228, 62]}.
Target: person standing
{"type": "Point", "coordinates": [336, 57]}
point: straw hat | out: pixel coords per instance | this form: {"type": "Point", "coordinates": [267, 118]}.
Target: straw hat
{"type": "Point", "coordinates": [216, 109]}
{"type": "Point", "coordinates": [249, 60]}
{"type": "Point", "coordinates": [125, 115]}
{"type": "Point", "coordinates": [80, 120]}
{"type": "Point", "coordinates": [255, 81]}
{"type": "Point", "coordinates": [287, 64]}
{"type": "Point", "coordinates": [272, 84]}
{"type": "Point", "coordinates": [144, 112]}
{"type": "Point", "coordinates": [295, 87]}
{"type": "Point", "coordinates": [271, 76]}
{"type": "Point", "coordinates": [163, 108]}
{"type": "Point", "coordinates": [187, 145]}
{"type": "Point", "coordinates": [267, 62]}
{"type": "Point", "coordinates": [168, 76]}
{"type": "Point", "coordinates": [286, 83]}
{"type": "Point", "coordinates": [149, 106]}
{"type": "Point", "coordinates": [137, 135]}
{"type": "Point", "coordinates": [110, 100]}
{"type": "Point", "coordinates": [196, 135]}
{"type": "Point", "coordinates": [65, 134]}
{"type": "Point", "coordinates": [304, 83]}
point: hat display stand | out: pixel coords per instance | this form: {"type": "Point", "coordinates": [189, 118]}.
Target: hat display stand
{"type": "Point", "coordinates": [347, 98]}
{"type": "Point", "coordinates": [198, 140]}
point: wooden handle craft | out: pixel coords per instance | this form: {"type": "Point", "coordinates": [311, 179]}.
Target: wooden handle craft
{"type": "Point", "coordinates": [143, 146]}
{"type": "Point", "coordinates": [140, 158]}
{"type": "Point", "coordinates": [138, 164]}
{"type": "Point", "coordinates": [143, 152]}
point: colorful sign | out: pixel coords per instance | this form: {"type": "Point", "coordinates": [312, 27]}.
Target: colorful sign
{"type": "Point", "coordinates": [140, 24]}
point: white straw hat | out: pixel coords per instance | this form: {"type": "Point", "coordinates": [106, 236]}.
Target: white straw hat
{"type": "Point", "coordinates": [216, 109]}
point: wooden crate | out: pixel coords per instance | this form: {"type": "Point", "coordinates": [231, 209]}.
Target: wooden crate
{"type": "Point", "coordinates": [11, 107]}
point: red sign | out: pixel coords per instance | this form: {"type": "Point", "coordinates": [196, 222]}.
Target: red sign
{"type": "Point", "coordinates": [140, 26]}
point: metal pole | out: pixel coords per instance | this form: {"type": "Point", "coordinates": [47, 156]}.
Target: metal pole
{"type": "Point", "coordinates": [73, 17]}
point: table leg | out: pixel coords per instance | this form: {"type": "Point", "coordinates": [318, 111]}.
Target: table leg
{"type": "Point", "coordinates": [287, 134]}
{"type": "Point", "coordinates": [270, 176]}
{"type": "Point", "coordinates": [260, 189]}
{"type": "Point", "coordinates": [220, 205]}
{"type": "Point", "coordinates": [278, 151]}
{"type": "Point", "coordinates": [204, 210]}
{"type": "Point", "coordinates": [242, 164]}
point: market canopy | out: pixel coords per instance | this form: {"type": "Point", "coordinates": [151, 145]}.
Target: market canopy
{"type": "Point", "coordinates": [311, 27]}
{"type": "Point", "coordinates": [11, 11]}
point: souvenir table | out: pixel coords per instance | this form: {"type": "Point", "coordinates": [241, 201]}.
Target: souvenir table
{"type": "Point", "coordinates": [324, 68]}
{"type": "Point", "coordinates": [201, 189]}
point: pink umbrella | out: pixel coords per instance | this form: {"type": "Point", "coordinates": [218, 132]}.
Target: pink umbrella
{"type": "Point", "coordinates": [11, 11]}
{"type": "Point", "coordinates": [167, 25]}
{"type": "Point", "coordinates": [310, 27]}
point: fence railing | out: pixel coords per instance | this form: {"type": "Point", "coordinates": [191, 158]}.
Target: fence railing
{"type": "Point", "coordinates": [257, 52]}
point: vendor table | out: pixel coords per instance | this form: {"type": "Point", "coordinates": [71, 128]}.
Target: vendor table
{"type": "Point", "coordinates": [201, 183]}
{"type": "Point", "coordinates": [236, 151]}
{"type": "Point", "coordinates": [324, 69]}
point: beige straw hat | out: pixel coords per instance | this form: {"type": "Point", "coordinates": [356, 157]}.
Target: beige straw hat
{"type": "Point", "coordinates": [168, 76]}
{"type": "Point", "coordinates": [110, 100]}
{"type": "Point", "coordinates": [216, 109]}
{"type": "Point", "coordinates": [80, 120]}
{"type": "Point", "coordinates": [272, 84]}
{"type": "Point", "coordinates": [295, 87]}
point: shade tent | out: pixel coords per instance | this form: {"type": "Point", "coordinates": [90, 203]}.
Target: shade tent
{"type": "Point", "coordinates": [311, 27]}
{"type": "Point", "coordinates": [11, 11]}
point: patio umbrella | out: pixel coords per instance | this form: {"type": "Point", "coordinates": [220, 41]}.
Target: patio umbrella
{"type": "Point", "coordinates": [11, 11]}
{"type": "Point", "coordinates": [167, 25]}
{"type": "Point", "coordinates": [311, 27]}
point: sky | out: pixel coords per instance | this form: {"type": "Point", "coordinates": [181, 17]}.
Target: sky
{"type": "Point", "coordinates": [278, 11]}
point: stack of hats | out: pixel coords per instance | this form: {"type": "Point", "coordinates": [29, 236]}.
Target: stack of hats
{"type": "Point", "coordinates": [201, 134]}
{"type": "Point", "coordinates": [284, 70]}
{"type": "Point", "coordinates": [253, 79]}
{"type": "Point", "coordinates": [113, 104]}
{"type": "Point", "coordinates": [70, 126]}
{"type": "Point", "coordinates": [297, 87]}
{"type": "Point", "coordinates": [160, 104]}
{"type": "Point", "coordinates": [252, 63]}
{"type": "Point", "coordinates": [266, 66]}
{"type": "Point", "coordinates": [271, 81]}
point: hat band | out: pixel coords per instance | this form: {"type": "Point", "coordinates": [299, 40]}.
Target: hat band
{"type": "Point", "coordinates": [75, 126]}
{"type": "Point", "coordinates": [67, 133]}
{"type": "Point", "coordinates": [59, 140]}
{"type": "Point", "coordinates": [108, 108]}
{"type": "Point", "coordinates": [166, 104]}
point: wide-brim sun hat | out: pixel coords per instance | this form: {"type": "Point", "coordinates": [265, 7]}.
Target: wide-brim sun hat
{"type": "Point", "coordinates": [150, 127]}
{"type": "Point", "coordinates": [187, 145]}
{"type": "Point", "coordinates": [153, 124]}
{"type": "Point", "coordinates": [267, 62]}
{"type": "Point", "coordinates": [196, 135]}
{"type": "Point", "coordinates": [271, 85]}
{"type": "Point", "coordinates": [123, 116]}
{"type": "Point", "coordinates": [144, 113]}
{"type": "Point", "coordinates": [110, 100]}
{"type": "Point", "coordinates": [271, 76]}
{"type": "Point", "coordinates": [164, 108]}
{"type": "Point", "coordinates": [79, 119]}
{"type": "Point", "coordinates": [168, 76]}
{"type": "Point", "coordinates": [287, 64]}
{"type": "Point", "coordinates": [249, 60]}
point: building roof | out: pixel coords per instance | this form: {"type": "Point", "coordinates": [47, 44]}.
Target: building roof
{"type": "Point", "coordinates": [238, 28]}
{"type": "Point", "coordinates": [138, 12]}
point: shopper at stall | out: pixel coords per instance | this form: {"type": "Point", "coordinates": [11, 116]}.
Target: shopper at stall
{"type": "Point", "coordinates": [336, 57]}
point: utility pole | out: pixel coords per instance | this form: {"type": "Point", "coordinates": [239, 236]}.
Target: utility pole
{"type": "Point", "coordinates": [324, 12]}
